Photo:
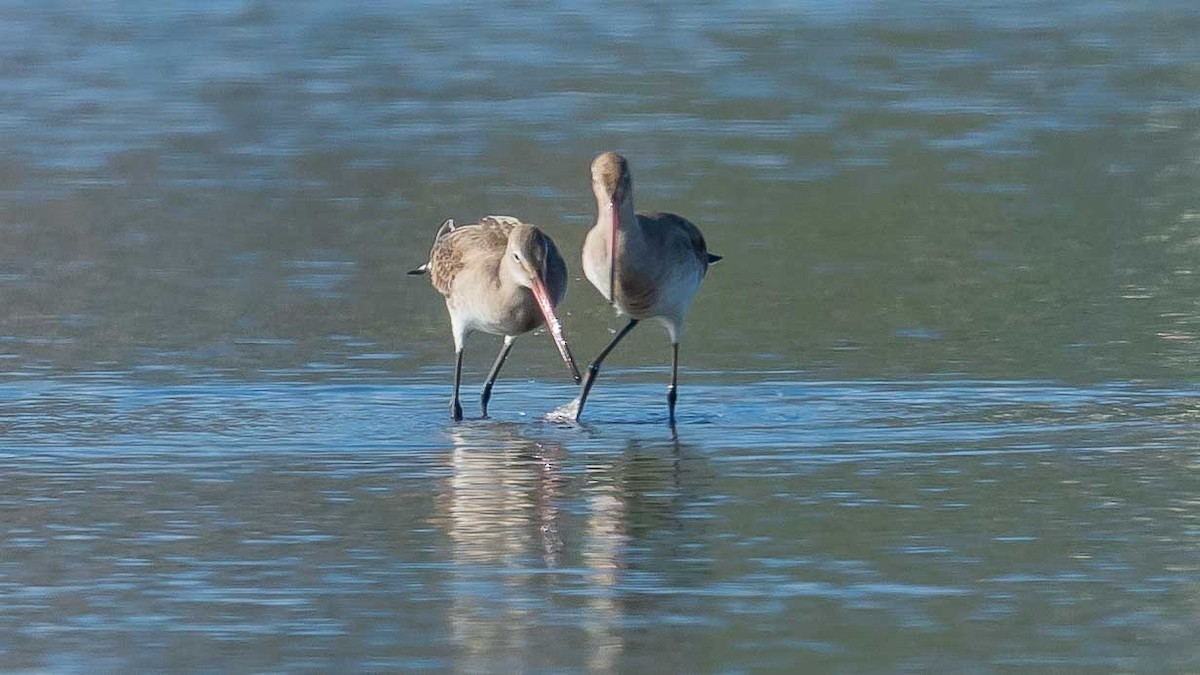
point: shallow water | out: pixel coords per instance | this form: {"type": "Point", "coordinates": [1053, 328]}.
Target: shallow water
{"type": "Point", "coordinates": [948, 525]}
{"type": "Point", "coordinates": [940, 402]}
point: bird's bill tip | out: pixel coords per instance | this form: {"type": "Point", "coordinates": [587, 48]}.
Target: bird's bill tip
{"type": "Point", "coordinates": [555, 327]}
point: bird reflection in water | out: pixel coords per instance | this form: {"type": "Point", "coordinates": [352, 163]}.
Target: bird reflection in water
{"type": "Point", "coordinates": [502, 496]}
{"type": "Point", "coordinates": [501, 510]}
{"type": "Point", "coordinates": [603, 555]}
{"type": "Point", "coordinates": [524, 529]}
{"type": "Point", "coordinates": [632, 499]}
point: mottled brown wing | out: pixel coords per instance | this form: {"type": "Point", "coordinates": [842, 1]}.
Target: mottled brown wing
{"type": "Point", "coordinates": [481, 243]}
{"type": "Point", "coordinates": [502, 223]}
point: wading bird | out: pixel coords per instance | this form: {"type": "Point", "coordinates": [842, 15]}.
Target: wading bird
{"type": "Point", "coordinates": [647, 265]}
{"type": "Point", "coordinates": [499, 276]}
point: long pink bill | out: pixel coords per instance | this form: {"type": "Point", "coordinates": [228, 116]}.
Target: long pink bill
{"type": "Point", "coordinates": [555, 326]}
{"type": "Point", "coordinates": [612, 250]}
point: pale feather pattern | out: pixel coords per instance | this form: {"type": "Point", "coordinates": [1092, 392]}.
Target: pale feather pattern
{"type": "Point", "coordinates": [499, 276]}
{"type": "Point", "coordinates": [477, 245]}
{"type": "Point", "coordinates": [468, 257]}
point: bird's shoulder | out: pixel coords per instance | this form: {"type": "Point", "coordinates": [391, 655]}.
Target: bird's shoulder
{"type": "Point", "coordinates": [464, 246]}
{"type": "Point", "coordinates": [668, 228]}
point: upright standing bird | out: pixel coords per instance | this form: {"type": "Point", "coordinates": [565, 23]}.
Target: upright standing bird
{"type": "Point", "coordinates": [499, 276]}
{"type": "Point", "coordinates": [647, 265]}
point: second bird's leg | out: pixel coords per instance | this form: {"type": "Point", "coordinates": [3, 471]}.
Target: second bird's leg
{"type": "Point", "coordinates": [671, 390]}
{"type": "Point", "coordinates": [495, 372]}
{"type": "Point", "coordinates": [594, 369]}
{"type": "Point", "coordinates": [455, 408]}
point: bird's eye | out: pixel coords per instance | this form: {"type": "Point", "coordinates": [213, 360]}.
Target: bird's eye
{"type": "Point", "coordinates": [516, 256]}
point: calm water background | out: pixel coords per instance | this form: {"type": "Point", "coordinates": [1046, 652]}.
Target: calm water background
{"type": "Point", "coordinates": [940, 407]}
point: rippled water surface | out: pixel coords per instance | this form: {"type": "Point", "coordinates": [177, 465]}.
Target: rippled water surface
{"type": "Point", "coordinates": [940, 402]}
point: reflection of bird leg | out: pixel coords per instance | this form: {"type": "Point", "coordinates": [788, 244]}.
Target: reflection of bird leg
{"type": "Point", "coordinates": [549, 482]}
{"type": "Point", "coordinates": [501, 487]}
{"type": "Point", "coordinates": [676, 462]}
{"type": "Point", "coordinates": [603, 554]}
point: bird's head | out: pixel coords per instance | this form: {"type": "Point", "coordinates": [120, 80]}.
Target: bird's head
{"type": "Point", "coordinates": [528, 258]}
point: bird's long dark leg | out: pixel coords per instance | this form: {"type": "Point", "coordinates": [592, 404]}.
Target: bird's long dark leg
{"type": "Point", "coordinates": [671, 390]}
{"type": "Point", "coordinates": [594, 369]}
{"type": "Point", "coordinates": [455, 408]}
{"type": "Point", "coordinates": [495, 372]}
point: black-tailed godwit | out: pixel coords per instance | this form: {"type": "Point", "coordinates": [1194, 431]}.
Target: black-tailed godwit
{"type": "Point", "coordinates": [647, 265]}
{"type": "Point", "coordinates": [499, 276]}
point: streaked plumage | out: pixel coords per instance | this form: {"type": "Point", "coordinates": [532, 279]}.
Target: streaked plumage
{"type": "Point", "coordinates": [499, 276]}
